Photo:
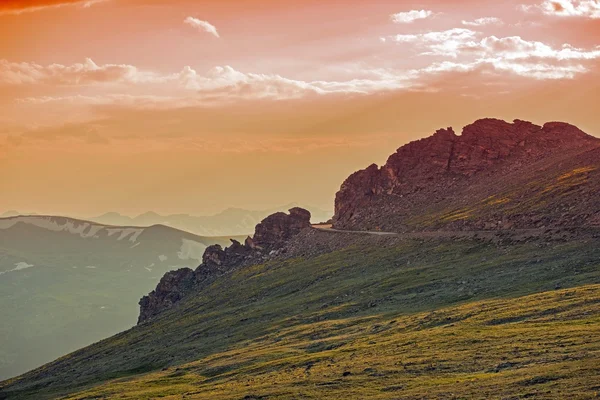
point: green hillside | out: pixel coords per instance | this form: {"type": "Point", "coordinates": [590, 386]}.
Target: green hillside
{"type": "Point", "coordinates": [382, 317]}
{"type": "Point", "coordinates": [73, 287]}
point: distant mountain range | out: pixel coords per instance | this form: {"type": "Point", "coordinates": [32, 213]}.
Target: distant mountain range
{"type": "Point", "coordinates": [232, 221]}
{"type": "Point", "coordinates": [66, 283]}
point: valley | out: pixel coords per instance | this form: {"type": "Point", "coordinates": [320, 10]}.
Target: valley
{"type": "Point", "coordinates": [66, 283]}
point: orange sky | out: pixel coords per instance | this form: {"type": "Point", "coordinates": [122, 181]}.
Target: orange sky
{"type": "Point", "coordinates": [196, 106]}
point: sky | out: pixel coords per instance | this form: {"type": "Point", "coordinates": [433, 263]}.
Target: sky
{"type": "Point", "coordinates": [192, 106]}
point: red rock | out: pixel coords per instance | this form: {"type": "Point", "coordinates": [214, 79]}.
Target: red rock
{"type": "Point", "coordinates": [277, 228]}
{"type": "Point", "coordinates": [445, 168]}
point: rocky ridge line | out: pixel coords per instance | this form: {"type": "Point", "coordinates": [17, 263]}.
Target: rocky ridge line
{"type": "Point", "coordinates": [449, 170]}
{"type": "Point", "coordinates": [268, 241]}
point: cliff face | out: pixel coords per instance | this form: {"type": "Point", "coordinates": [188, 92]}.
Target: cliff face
{"type": "Point", "coordinates": [447, 173]}
{"type": "Point", "coordinates": [269, 238]}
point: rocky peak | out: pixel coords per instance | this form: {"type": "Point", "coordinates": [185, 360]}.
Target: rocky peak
{"type": "Point", "coordinates": [485, 147]}
{"type": "Point", "coordinates": [270, 235]}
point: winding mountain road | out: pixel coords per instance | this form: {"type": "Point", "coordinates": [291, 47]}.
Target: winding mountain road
{"type": "Point", "coordinates": [328, 228]}
{"type": "Point", "coordinates": [437, 234]}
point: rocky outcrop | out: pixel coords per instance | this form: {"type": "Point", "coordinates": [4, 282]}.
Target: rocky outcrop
{"type": "Point", "coordinates": [278, 228]}
{"type": "Point", "coordinates": [173, 286]}
{"type": "Point", "coordinates": [446, 170]}
{"type": "Point", "coordinates": [270, 237]}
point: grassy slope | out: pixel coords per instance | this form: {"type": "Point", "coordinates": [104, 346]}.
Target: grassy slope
{"type": "Point", "coordinates": [59, 305]}
{"type": "Point", "coordinates": [544, 346]}
{"type": "Point", "coordinates": [306, 321]}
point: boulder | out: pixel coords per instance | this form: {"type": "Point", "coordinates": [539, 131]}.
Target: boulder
{"type": "Point", "coordinates": [278, 228]}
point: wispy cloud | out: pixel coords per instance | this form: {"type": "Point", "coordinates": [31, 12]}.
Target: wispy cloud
{"type": "Point", "coordinates": [567, 8]}
{"type": "Point", "coordinates": [85, 73]}
{"type": "Point", "coordinates": [484, 21]}
{"type": "Point", "coordinates": [202, 25]}
{"type": "Point", "coordinates": [513, 54]}
{"type": "Point", "coordinates": [220, 84]}
{"type": "Point", "coordinates": [409, 17]}
{"type": "Point", "coordinates": [442, 43]}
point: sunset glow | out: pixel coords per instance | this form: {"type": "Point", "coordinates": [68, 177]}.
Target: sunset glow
{"type": "Point", "coordinates": [196, 106]}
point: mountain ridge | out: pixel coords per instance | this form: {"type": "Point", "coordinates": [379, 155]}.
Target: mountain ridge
{"type": "Point", "coordinates": [65, 282]}
{"type": "Point", "coordinates": [503, 141]}
{"type": "Point", "coordinates": [431, 175]}
{"type": "Point", "coordinates": [231, 221]}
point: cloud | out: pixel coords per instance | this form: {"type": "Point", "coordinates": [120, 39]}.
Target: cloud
{"type": "Point", "coordinates": [76, 74]}
{"type": "Point", "coordinates": [185, 88]}
{"type": "Point", "coordinates": [233, 82]}
{"type": "Point", "coordinates": [514, 47]}
{"type": "Point", "coordinates": [90, 84]}
{"type": "Point", "coordinates": [443, 43]}
{"type": "Point", "coordinates": [410, 16]}
{"type": "Point", "coordinates": [567, 8]}
{"type": "Point", "coordinates": [17, 7]}
{"type": "Point", "coordinates": [512, 54]}
{"type": "Point", "coordinates": [483, 21]}
{"type": "Point", "coordinates": [540, 70]}
{"type": "Point", "coordinates": [202, 25]}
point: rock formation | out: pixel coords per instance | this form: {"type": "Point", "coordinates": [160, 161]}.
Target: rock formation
{"type": "Point", "coordinates": [446, 173]}
{"type": "Point", "coordinates": [494, 176]}
{"type": "Point", "coordinates": [270, 236]}
{"type": "Point", "coordinates": [278, 228]}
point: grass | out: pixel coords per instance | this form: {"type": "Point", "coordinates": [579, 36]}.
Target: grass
{"type": "Point", "coordinates": [558, 190]}
{"type": "Point", "coordinates": [403, 319]}
{"type": "Point", "coordinates": [543, 346]}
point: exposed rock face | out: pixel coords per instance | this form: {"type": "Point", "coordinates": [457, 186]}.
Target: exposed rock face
{"type": "Point", "coordinates": [278, 228]}
{"type": "Point", "coordinates": [445, 171]}
{"type": "Point", "coordinates": [173, 286]}
{"type": "Point", "coordinates": [270, 236]}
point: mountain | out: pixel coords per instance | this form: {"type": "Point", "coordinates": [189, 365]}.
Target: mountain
{"type": "Point", "coordinates": [397, 301]}
{"type": "Point", "coordinates": [496, 175]}
{"type": "Point", "coordinates": [10, 213]}
{"type": "Point", "coordinates": [232, 221]}
{"type": "Point", "coordinates": [65, 283]}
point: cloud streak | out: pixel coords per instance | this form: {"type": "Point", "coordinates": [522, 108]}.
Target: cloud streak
{"type": "Point", "coordinates": [203, 26]}
{"type": "Point", "coordinates": [442, 43]}
{"type": "Point", "coordinates": [484, 21]}
{"type": "Point", "coordinates": [513, 54]}
{"type": "Point", "coordinates": [185, 88]}
{"type": "Point", "coordinates": [409, 17]}
{"type": "Point", "coordinates": [86, 73]}
{"type": "Point", "coordinates": [568, 8]}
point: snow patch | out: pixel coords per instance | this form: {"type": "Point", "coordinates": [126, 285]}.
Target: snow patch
{"type": "Point", "coordinates": [18, 267]}
{"type": "Point", "coordinates": [162, 258]}
{"type": "Point", "coordinates": [82, 229]}
{"type": "Point", "coordinates": [191, 250]}
{"type": "Point", "coordinates": [124, 232]}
